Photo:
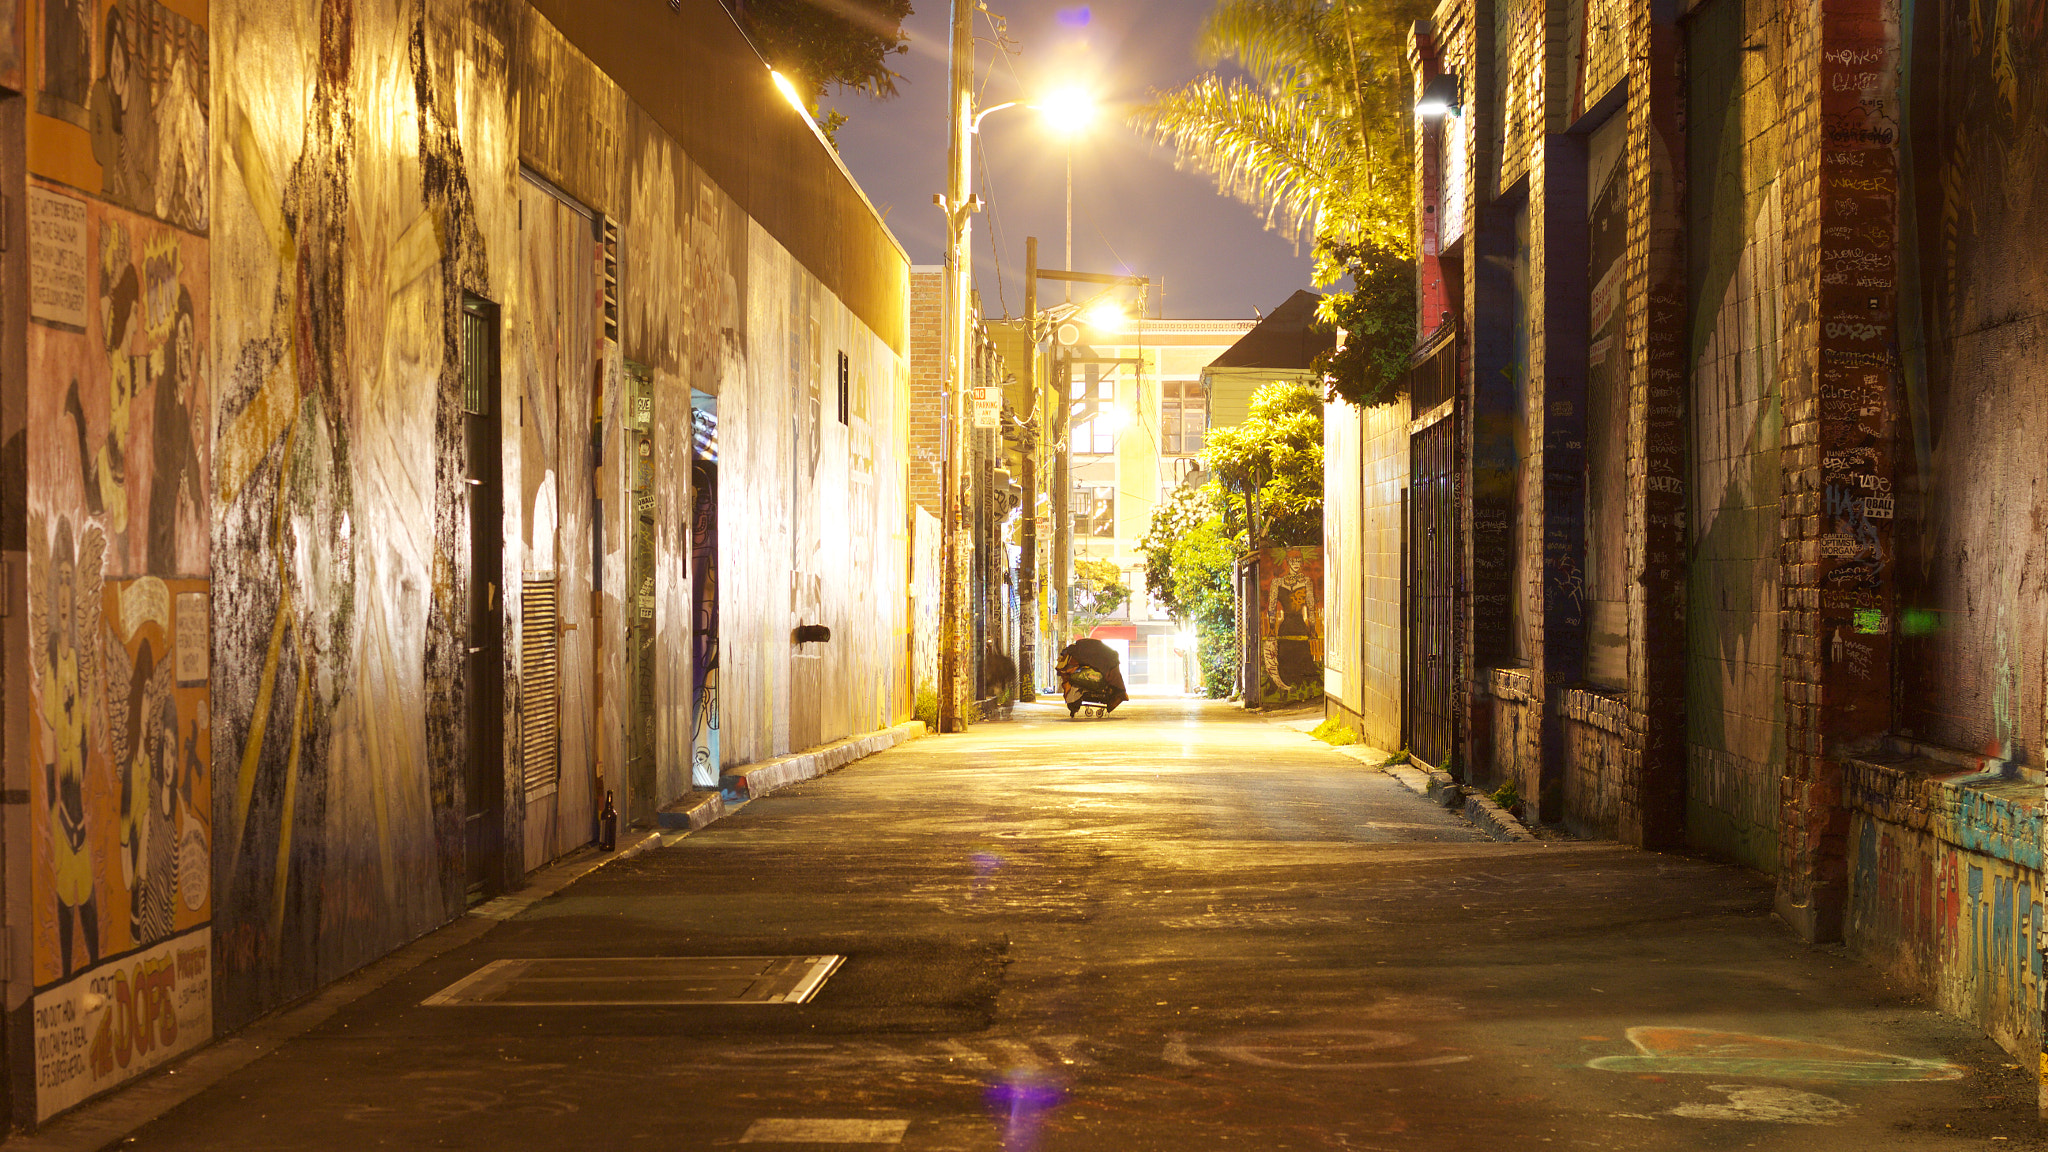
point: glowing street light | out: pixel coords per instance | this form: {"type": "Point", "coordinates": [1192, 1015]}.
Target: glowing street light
{"type": "Point", "coordinates": [1108, 316]}
{"type": "Point", "coordinates": [1068, 111]}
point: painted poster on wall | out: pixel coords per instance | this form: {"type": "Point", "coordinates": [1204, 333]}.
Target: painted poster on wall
{"type": "Point", "coordinates": [134, 76]}
{"type": "Point", "coordinates": [1290, 625]}
{"type": "Point", "coordinates": [120, 620]}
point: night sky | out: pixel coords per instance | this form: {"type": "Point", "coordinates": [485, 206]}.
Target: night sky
{"type": "Point", "coordinates": [1133, 213]}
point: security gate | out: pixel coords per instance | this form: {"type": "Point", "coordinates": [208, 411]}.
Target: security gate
{"type": "Point", "coordinates": [1433, 559]}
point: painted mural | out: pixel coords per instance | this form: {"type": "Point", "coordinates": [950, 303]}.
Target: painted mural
{"type": "Point", "coordinates": [133, 75]}
{"type": "Point", "coordinates": [120, 623]}
{"type": "Point", "coordinates": [346, 231]}
{"type": "Point", "coordinates": [1290, 657]}
{"type": "Point", "coordinates": [1737, 266]}
{"type": "Point", "coordinates": [247, 522]}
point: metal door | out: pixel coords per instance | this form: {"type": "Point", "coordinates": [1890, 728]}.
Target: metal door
{"type": "Point", "coordinates": [638, 602]}
{"type": "Point", "coordinates": [484, 780]}
{"type": "Point", "coordinates": [1432, 583]}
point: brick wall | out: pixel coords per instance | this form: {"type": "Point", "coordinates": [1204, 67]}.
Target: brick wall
{"type": "Point", "coordinates": [927, 377]}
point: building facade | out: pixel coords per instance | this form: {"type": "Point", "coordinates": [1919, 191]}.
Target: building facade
{"type": "Point", "coordinates": [1726, 305]}
{"type": "Point", "coordinates": [1141, 415]}
{"type": "Point", "coordinates": [426, 421]}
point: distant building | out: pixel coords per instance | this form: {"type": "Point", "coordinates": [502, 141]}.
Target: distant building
{"type": "Point", "coordinates": [1141, 415]}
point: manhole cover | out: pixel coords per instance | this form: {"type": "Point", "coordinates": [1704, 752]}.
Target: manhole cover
{"type": "Point", "coordinates": [642, 980]}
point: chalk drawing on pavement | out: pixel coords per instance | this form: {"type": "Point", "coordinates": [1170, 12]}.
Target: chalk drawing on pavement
{"type": "Point", "coordinates": [1770, 1105]}
{"type": "Point", "coordinates": [1706, 1052]}
{"type": "Point", "coordinates": [1310, 1050]}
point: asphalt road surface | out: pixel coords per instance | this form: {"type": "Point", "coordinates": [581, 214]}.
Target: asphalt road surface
{"type": "Point", "coordinates": [1178, 928]}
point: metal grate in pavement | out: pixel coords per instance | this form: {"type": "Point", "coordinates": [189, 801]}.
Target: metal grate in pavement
{"type": "Point", "coordinates": [640, 980]}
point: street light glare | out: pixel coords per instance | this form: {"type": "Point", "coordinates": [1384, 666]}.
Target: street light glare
{"type": "Point", "coordinates": [790, 93]}
{"type": "Point", "coordinates": [1108, 316]}
{"type": "Point", "coordinates": [1069, 111]}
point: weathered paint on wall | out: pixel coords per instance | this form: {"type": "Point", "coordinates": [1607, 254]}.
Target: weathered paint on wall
{"type": "Point", "coordinates": [1971, 603]}
{"type": "Point", "coordinates": [1735, 709]}
{"type": "Point", "coordinates": [358, 199]}
{"type": "Point", "coordinates": [1960, 920]}
{"type": "Point", "coordinates": [1606, 568]}
{"type": "Point", "coordinates": [120, 895]}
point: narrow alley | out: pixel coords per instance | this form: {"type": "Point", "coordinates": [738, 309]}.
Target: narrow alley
{"type": "Point", "coordinates": [1179, 927]}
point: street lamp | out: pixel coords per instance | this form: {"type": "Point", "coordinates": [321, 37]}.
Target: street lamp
{"type": "Point", "coordinates": [1068, 112]}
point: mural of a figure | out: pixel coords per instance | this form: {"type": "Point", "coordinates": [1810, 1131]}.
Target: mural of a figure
{"type": "Point", "coordinates": [105, 464]}
{"type": "Point", "coordinates": [175, 492]}
{"type": "Point", "coordinates": [1291, 624]}
{"type": "Point", "coordinates": [123, 118]}
{"type": "Point", "coordinates": [145, 745]}
{"type": "Point", "coordinates": [67, 59]}
{"type": "Point", "coordinates": [65, 623]}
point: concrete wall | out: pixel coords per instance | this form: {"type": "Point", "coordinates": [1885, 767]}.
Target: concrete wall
{"type": "Point", "coordinates": [250, 547]}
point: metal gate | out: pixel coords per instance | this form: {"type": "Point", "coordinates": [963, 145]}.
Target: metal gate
{"type": "Point", "coordinates": [1433, 558]}
{"type": "Point", "coordinates": [1432, 581]}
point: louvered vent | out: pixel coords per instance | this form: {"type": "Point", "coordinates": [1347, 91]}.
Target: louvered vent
{"type": "Point", "coordinates": [540, 728]}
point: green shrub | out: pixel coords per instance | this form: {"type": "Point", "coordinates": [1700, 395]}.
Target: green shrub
{"type": "Point", "coordinates": [1334, 732]}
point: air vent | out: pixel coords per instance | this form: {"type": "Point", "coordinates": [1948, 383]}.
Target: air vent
{"type": "Point", "coordinates": [540, 728]}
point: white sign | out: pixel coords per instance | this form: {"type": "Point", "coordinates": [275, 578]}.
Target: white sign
{"type": "Point", "coordinates": [56, 257]}
{"type": "Point", "coordinates": [988, 407]}
{"type": "Point", "coordinates": [122, 1018]}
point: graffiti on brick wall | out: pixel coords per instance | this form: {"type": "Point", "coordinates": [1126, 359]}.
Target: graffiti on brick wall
{"type": "Point", "coordinates": [1962, 923]}
{"type": "Point", "coordinates": [1606, 566]}
{"type": "Point", "coordinates": [1735, 693]}
{"type": "Point", "coordinates": [1595, 34]}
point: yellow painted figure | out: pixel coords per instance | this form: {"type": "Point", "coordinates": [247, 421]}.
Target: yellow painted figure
{"type": "Point", "coordinates": [63, 620]}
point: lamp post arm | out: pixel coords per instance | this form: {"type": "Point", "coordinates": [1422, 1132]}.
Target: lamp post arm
{"type": "Point", "coordinates": [986, 112]}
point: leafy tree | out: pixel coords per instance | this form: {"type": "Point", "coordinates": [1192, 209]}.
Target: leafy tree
{"type": "Point", "coordinates": [1273, 464]}
{"type": "Point", "coordinates": [821, 43]}
{"type": "Point", "coordinates": [1204, 564]}
{"type": "Point", "coordinates": [1314, 136]}
{"type": "Point", "coordinates": [1098, 591]}
{"type": "Point", "coordinates": [1172, 519]}
{"type": "Point", "coordinates": [1378, 320]}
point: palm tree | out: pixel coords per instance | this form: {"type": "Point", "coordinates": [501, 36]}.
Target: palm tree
{"type": "Point", "coordinates": [1313, 133]}
{"type": "Point", "coordinates": [1314, 136]}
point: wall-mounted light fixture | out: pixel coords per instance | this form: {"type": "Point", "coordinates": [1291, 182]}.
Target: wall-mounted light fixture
{"type": "Point", "coordinates": [1440, 96]}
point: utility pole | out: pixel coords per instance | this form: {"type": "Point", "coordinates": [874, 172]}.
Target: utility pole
{"type": "Point", "coordinates": [1027, 561]}
{"type": "Point", "coordinates": [1062, 498]}
{"type": "Point", "coordinates": [959, 155]}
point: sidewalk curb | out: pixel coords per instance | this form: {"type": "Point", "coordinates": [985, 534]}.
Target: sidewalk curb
{"type": "Point", "coordinates": [754, 781]}
{"type": "Point", "coordinates": [1438, 787]}
{"type": "Point", "coordinates": [102, 1122]}
{"type": "Point", "coordinates": [1495, 821]}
